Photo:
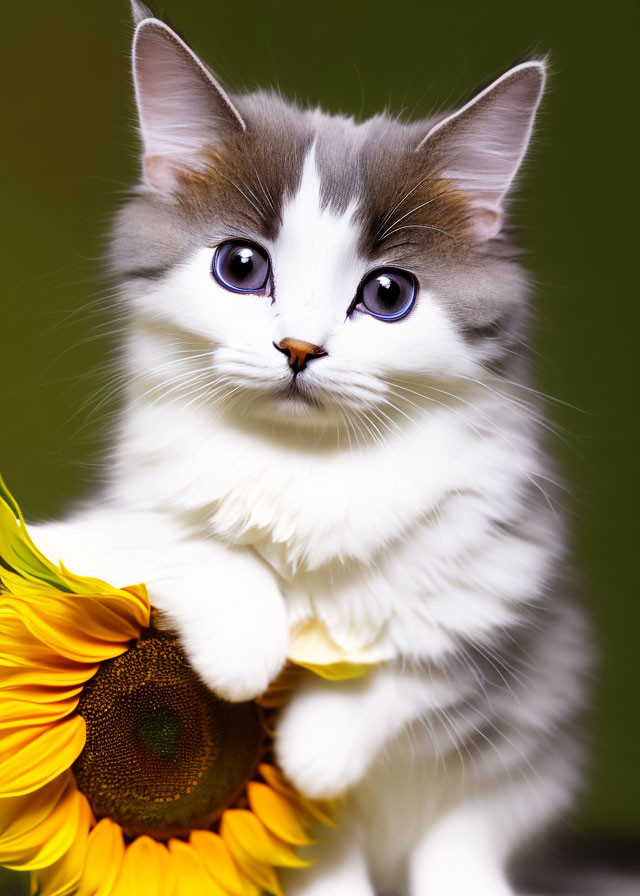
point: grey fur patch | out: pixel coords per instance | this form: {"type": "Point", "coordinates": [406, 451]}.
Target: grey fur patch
{"type": "Point", "coordinates": [339, 144]}
{"type": "Point", "coordinates": [150, 234]}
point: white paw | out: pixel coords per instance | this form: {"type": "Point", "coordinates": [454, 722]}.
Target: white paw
{"type": "Point", "coordinates": [320, 745]}
{"type": "Point", "coordinates": [231, 619]}
{"type": "Point", "coordinates": [238, 655]}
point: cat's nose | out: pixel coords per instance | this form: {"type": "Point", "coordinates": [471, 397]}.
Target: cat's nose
{"type": "Point", "coordinates": [298, 352]}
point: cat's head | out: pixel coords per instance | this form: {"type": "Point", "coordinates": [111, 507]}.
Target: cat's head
{"type": "Point", "coordinates": [306, 268]}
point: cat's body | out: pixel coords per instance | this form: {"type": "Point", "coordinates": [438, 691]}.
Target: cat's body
{"type": "Point", "coordinates": [401, 495]}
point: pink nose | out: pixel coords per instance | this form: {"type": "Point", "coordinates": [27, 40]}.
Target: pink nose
{"type": "Point", "coordinates": [299, 353]}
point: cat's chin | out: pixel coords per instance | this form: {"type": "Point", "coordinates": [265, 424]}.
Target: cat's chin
{"type": "Point", "coordinates": [295, 408]}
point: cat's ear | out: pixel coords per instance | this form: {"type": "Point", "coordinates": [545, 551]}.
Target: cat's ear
{"type": "Point", "coordinates": [482, 145]}
{"type": "Point", "coordinates": [181, 107]}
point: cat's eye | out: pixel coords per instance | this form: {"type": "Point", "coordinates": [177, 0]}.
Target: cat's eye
{"type": "Point", "coordinates": [241, 266]}
{"type": "Point", "coordinates": [387, 293]}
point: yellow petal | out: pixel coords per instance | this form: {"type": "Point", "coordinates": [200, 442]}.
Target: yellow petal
{"type": "Point", "coordinates": [81, 627]}
{"type": "Point", "coordinates": [191, 875]}
{"type": "Point", "coordinates": [259, 873]}
{"type": "Point", "coordinates": [36, 706]}
{"type": "Point", "coordinates": [244, 827]}
{"type": "Point", "coordinates": [217, 860]}
{"type": "Point", "coordinates": [339, 671]}
{"type": "Point", "coordinates": [37, 829]}
{"type": "Point", "coordinates": [42, 694]}
{"type": "Point", "coordinates": [26, 662]}
{"type": "Point", "coordinates": [103, 858]}
{"type": "Point", "coordinates": [31, 808]}
{"type": "Point", "coordinates": [146, 870]}
{"type": "Point", "coordinates": [277, 813]}
{"type": "Point", "coordinates": [61, 879]}
{"type": "Point", "coordinates": [312, 647]}
{"type": "Point", "coordinates": [250, 888]}
{"type": "Point", "coordinates": [321, 810]}
{"type": "Point", "coordinates": [31, 757]}
{"type": "Point", "coordinates": [28, 675]}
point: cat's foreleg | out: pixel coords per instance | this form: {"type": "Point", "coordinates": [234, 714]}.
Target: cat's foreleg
{"type": "Point", "coordinates": [339, 869]}
{"type": "Point", "coordinates": [458, 857]}
{"type": "Point", "coordinates": [331, 733]}
{"type": "Point", "coordinates": [468, 848]}
{"type": "Point", "coordinates": [223, 602]}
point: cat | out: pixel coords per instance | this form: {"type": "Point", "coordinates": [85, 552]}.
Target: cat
{"type": "Point", "coordinates": [328, 423]}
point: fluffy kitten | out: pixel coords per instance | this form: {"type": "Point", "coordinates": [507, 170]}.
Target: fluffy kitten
{"type": "Point", "coordinates": [327, 423]}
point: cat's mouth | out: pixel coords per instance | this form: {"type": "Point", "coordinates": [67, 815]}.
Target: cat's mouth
{"type": "Point", "coordinates": [300, 392]}
{"type": "Point", "coordinates": [326, 398]}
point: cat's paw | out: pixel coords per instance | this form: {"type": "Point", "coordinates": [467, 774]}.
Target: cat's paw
{"type": "Point", "coordinates": [231, 619]}
{"type": "Point", "coordinates": [238, 659]}
{"type": "Point", "coordinates": [239, 647]}
{"type": "Point", "coordinates": [320, 745]}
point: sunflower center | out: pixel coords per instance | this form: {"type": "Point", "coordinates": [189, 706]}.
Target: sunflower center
{"type": "Point", "coordinates": [160, 732]}
{"type": "Point", "coordinates": [163, 755]}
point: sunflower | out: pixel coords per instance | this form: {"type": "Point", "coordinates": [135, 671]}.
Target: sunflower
{"type": "Point", "coordinates": [120, 772]}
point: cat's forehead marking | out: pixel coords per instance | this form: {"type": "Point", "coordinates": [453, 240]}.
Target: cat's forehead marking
{"type": "Point", "coordinates": [305, 202]}
{"type": "Point", "coordinates": [309, 211]}
{"type": "Point", "coordinates": [315, 257]}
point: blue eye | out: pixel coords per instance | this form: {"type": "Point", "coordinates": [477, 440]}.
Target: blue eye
{"type": "Point", "coordinates": [388, 293]}
{"type": "Point", "coordinates": [241, 266]}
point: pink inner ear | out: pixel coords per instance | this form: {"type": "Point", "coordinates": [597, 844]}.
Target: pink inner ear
{"type": "Point", "coordinates": [485, 222]}
{"type": "Point", "coordinates": [161, 172]}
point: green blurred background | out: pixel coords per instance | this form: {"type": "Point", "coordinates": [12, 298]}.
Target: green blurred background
{"type": "Point", "coordinates": [69, 154]}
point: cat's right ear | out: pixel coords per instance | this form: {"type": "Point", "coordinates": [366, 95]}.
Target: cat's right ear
{"type": "Point", "coordinates": [182, 109]}
{"type": "Point", "coordinates": [483, 144]}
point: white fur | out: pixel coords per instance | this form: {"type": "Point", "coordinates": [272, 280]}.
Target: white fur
{"type": "Point", "coordinates": [246, 510]}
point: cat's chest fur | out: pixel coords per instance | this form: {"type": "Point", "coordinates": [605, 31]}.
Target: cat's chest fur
{"type": "Point", "coordinates": [393, 545]}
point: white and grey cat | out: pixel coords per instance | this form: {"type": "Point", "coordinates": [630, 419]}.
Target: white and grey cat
{"type": "Point", "coordinates": [327, 418]}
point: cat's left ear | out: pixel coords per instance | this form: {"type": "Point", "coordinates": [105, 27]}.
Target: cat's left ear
{"type": "Point", "coordinates": [182, 108]}
{"type": "Point", "coordinates": [481, 147]}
